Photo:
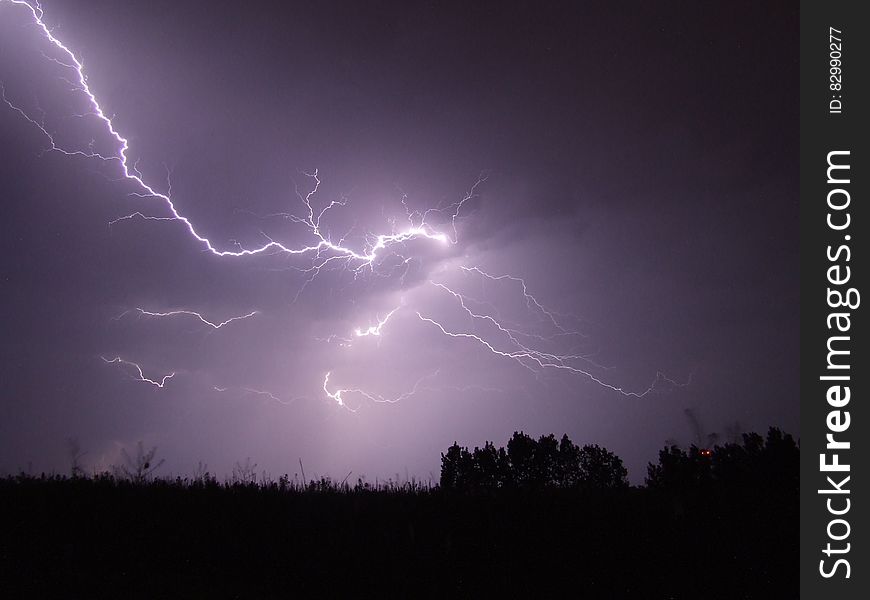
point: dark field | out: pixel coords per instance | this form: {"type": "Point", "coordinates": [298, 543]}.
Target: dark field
{"type": "Point", "coordinates": [723, 526]}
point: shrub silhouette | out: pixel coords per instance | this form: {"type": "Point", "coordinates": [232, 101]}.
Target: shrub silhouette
{"type": "Point", "coordinates": [74, 450]}
{"type": "Point", "coordinates": [531, 464]}
{"type": "Point", "coordinates": [140, 468]}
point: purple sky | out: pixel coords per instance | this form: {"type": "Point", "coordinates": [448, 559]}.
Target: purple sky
{"type": "Point", "coordinates": [641, 177]}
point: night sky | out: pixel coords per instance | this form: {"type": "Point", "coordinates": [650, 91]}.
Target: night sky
{"type": "Point", "coordinates": [637, 167]}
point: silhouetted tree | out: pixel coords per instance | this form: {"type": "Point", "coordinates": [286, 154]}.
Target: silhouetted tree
{"type": "Point", "coordinates": [568, 473]}
{"type": "Point", "coordinates": [757, 462]}
{"type": "Point", "coordinates": [456, 468]}
{"type": "Point", "coordinates": [531, 464]}
{"type": "Point", "coordinates": [678, 469]}
{"type": "Point", "coordinates": [490, 467]}
{"type": "Point", "coordinates": [521, 457]}
{"type": "Point", "coordinates": [450, 467]}
{"type": "Point", "coordinates": [601, 469]}
{"type": "Point", "coordinates": [782, 459]}
{"type": "Point", "coordinates": [545, 462]}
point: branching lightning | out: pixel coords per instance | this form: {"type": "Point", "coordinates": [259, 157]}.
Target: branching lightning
{"type": "Point", "coordinates": [322, 249]}
{"type": "Point", "coordinates": [530, 358]}
{"type": "Point", "coordinates": [140, 375]}
{"type": "Point", "coordinates": [502, 339]}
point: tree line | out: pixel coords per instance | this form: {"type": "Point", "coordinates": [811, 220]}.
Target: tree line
{"type": "Point", "coordinates": [529, 463]}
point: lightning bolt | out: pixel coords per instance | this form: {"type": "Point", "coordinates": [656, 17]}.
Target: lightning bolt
{"type": "Point", "coordinates": [323, 250]}
{"type": "Point", "coordinates": [530, 358]}
{"type": "Point", "coordinates": [507, 340]}
{"type": "Point", "coordinates": [338, 394]}
{"type": "Point", "coordinates": [419, 385]}
{"type": "Point", "coordinates": [140, 375]}
{"type": "Point", "coordinates": [375, 330]}
{"type": "Point", "coordinates": [531, 301]}
{"type": "Point", "coordinates": [256, 392]}
{"type": "Point", "coordinates": [191, 313]}
{"type": "Point", "coordinates": [269, 395]}
{"type": "Point", "coordinates": [522, 356]}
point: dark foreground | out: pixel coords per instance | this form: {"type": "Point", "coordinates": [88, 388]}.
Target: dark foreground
{"type": "Point", "coordinates": [105, 537]}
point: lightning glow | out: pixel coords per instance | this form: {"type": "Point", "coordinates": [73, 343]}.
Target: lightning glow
{"type": "Point", "coordinates": [375, 330]}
